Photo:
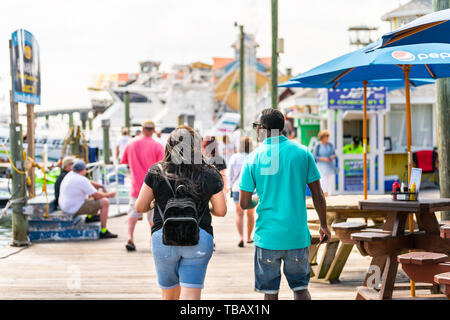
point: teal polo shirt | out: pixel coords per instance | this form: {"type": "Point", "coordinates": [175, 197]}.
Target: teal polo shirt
{"type": "Point", "coordinates": [279, 170]}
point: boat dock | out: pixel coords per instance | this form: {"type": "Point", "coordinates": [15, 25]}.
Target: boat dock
{"type": "Point", "coordinates": [103, 269]}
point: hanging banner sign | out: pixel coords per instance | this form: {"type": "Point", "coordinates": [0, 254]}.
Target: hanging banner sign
{"type": "Point", "coordinates": [26, 71]}
{"type": "Point", "coordinates": [352, 99]}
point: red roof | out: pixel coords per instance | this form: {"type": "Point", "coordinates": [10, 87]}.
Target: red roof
{"type": "Point", "coordinates": [219, 63]}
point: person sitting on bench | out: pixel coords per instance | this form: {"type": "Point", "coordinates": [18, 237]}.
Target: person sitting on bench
{"type": "Point", "coordinates": [66, 167]}
{"type": "Point", "coordinates": [78, 196]}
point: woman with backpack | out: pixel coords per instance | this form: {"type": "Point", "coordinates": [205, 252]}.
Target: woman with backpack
{"type": "Point", "coordinates": [233, 174]}
{"type": "Point", "coordinates": [324, 155]}
{"type": "Point", "coordinates": [182, 185]}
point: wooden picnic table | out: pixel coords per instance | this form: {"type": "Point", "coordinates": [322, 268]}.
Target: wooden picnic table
{"type": "Point", "coordinates": [384, 246]}
{"type": "Point", "coordinates": [339, 209]}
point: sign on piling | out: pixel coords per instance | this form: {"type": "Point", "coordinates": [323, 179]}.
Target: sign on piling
{"type": "Point", "coordinates": [26, 70]}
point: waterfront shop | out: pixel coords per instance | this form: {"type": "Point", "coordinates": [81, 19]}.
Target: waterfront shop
{"type": "Point", "coordinates": [340, 111]}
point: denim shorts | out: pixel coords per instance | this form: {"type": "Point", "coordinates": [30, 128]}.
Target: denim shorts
{"type": "Point", "coordinates": [268, 265]}
{"type": "Point", "coordinates": [235, 195]}
{"type": "Point", "coordinates": [182, 265]}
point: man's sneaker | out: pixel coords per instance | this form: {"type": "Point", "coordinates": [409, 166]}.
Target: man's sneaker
{"type": "Point", "coordinates": [107, 235]}
{"type": "Point", "coordinates": [95, 218]}
{"type": "Point", "coordinates": [130, 246]}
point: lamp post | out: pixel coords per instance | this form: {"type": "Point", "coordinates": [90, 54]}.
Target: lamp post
{"type": "Point", "coordinates": [274, 69]}
{"type": "Point", "coordinates": [241, 74]}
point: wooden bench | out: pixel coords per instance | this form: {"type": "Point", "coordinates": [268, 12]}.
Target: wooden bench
{"type": "Point", "coordinates": [423, 266]}
{"type": "Point", "coordinates": [444, 280]}
{"type": "Point", "coordinates": [344, 230]}
{"type": "Point", "coordinates": [60, 226]}
{"type": "Point", "coordinates": [378, 244]}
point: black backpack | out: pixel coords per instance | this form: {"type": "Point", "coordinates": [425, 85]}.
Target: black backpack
{"type": "Point", "coordinates": [180, 219]}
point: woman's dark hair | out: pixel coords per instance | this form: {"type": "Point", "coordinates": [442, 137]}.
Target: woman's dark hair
{"type": "Point", "coordinates": [245, 145]}
{"type": "Point", "coordinates": [272, 119]}
{"type": "Point", "coordinates": [183, 161]}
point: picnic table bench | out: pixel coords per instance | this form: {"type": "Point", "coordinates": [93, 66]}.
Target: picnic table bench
{"type": "Point", "coordinates": [429, 267]}
{"type": "Point", "coordinates": [337, 250]}
{"type": "Point", "coordinates": [385, 247]}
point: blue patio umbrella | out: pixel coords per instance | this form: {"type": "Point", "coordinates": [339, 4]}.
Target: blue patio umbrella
{"type": "Point", "coordinates": [418, 61]}
{"type": "Point", "coordinates": [431, 28]}
{"type": "Point", "coordinates": [421, 61]}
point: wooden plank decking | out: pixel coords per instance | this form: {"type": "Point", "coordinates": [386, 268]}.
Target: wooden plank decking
{"type": "Point", "coordinates": [107, 271]}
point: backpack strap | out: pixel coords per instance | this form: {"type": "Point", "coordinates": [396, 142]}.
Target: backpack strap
{"type": "Point", "coordinates": [165, 178]}
{"type": "Point", "coordinates": [170, 187]}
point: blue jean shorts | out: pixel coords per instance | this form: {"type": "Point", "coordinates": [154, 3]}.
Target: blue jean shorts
{"type": "Point", "coordinates": [182, 265]}
{"type": "Point", "coordinates": [268, 265]}
{"type": "Point", "coordinates": [235, 195]}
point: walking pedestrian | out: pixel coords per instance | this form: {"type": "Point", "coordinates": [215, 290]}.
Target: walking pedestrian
{"type": "Point", "coordinates": [226, 149]}
{"type": "Point", "coordinates": [140, 154]}
{"type": "Point", "coordinates": [183, 173]}
{"type": "Point", "coordinates": [279, 170]}
{"type": "Point", "coordinates": [324, 155]}
{"type": "Point", "coordinates": [123, 140]}
{"type": "Point", "coordinates": [233, 174]}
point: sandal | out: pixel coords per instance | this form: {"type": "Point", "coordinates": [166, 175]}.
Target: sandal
{"type": "Point", "coordinates": [130, 246]}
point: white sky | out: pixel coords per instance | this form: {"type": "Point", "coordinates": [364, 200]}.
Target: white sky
{"type": "Point", "coordinates": [84, 37]}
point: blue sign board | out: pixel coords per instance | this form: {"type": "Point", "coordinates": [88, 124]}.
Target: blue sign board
{"type": "Point", "coordinates": [26, 71]}
{"type": "Point", "coordinates": [352, 99]}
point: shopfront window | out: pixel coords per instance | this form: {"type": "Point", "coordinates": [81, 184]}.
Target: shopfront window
{"type": "Point", "coordinates": [422, 126]}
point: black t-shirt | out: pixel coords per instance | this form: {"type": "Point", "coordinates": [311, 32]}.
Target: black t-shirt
{"type": "Point", "coordinates": [217, 162]}
{"type": "Point", "coordinates": [210, 184]}
{"type": "Point", "coordinates": [58, 184]}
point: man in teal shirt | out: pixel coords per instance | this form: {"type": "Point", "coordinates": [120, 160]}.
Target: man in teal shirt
{"type": "Point", "coordinates": [279, 170]}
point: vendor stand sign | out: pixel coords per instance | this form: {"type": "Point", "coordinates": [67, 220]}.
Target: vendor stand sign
{"type": "Point", "coordinates": [25, 67]}
{"type": "Point", "coordinates": [352, 99]}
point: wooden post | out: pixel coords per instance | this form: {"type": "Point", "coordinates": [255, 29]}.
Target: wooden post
{"type": "Point", "coordinates": [443, 120]}
{"type": "Point", "coordinates": [365, 139]}
{"type": "Point", "coordinates": [274, 68]}
{"type": "Point", "coordinates": [406, 69]}
{"type": "Point", "coordinates": [19, 220]}
{"type": "Point", "coordinates": [70, 120]}
{"type": "Point", "coordinates": [30, 143]}
{"type": "Point", "coordinates": [105, 126]}
{"type": "Point", "coordinates": [241, 76]}
{"type": "Point", "coordinates": [83, 118]}
{"type": "Point", "coordinates": [126, 100]}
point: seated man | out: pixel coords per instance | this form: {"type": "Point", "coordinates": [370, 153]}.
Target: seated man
{"type": "Point", "coordinates": [66, 167]}
{"type": "Point", "coordinates": [78, 196]}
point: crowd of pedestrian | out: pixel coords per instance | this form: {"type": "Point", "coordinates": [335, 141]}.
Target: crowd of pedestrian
{"type": "Point", "coordinates": [180, 182]}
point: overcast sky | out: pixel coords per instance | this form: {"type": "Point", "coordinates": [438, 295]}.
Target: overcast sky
{"type": "Point", "coordinates": [84, 37]}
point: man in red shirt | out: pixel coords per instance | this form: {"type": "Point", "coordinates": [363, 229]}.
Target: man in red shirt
{"type": "Point", "coordinates": [140, 154]}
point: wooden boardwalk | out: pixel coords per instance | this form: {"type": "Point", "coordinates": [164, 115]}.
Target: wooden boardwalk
{"type": "Point", "coordinates": [107, 271]}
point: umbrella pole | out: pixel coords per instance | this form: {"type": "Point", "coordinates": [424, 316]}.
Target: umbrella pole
{"type": "Point", "coordinates": [406, 69]}
{"type": "Point", "coordinates": [365, 139]}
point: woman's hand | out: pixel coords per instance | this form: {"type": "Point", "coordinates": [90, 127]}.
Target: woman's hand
{"type": "Point", "coordinates": [324, 159]}
{"type": "Point", "coordinates": [332, 157]}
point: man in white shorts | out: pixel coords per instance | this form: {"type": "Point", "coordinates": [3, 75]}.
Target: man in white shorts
{"type": "Point", "coordinates": [140, 154]}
